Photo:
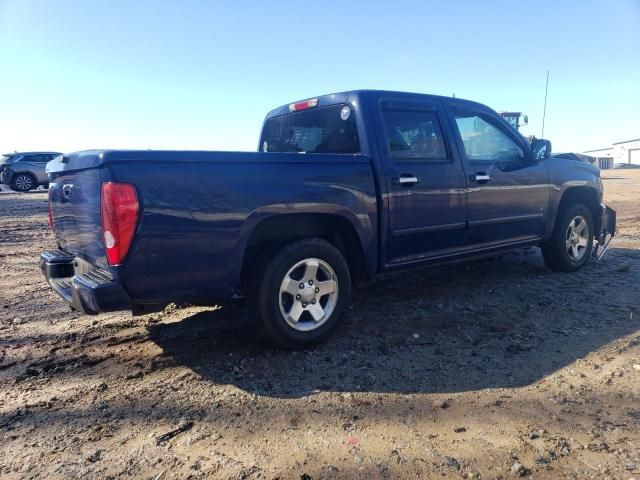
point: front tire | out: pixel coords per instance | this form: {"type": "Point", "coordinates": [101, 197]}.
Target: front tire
{"type": "Point", "coordinates": [297, 296]}
{"type": "Point", "coordinates": [23, 182]}
{"type": "Point", "coordinates": [569, 247]}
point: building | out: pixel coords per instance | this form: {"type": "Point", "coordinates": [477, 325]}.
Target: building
{"type": "Point", "coordinates": [627, 151]}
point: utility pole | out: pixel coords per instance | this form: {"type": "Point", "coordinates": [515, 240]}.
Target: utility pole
{"type": "Point", "coordinates": [544, 111]}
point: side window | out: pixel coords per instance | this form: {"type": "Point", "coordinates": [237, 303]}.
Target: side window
{"type": "Point", "coordinates": [39, 158]}
{"type": "Point", "coordinates": [414, 134]}
{"type": "Point", "coordinates": [485, 142]}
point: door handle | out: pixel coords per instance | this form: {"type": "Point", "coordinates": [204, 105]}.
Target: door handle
{"type": "Point", "coordinates": [481, 177]}
{"type": "Point", "coordinates": [405, 180]}
{"type": "Point", "coordinates": [66, 190]}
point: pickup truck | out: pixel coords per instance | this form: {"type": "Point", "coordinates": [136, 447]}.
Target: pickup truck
{"type": "Point", "coordinates": [345, 188]}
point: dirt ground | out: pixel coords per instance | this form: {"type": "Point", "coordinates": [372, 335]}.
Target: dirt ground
{"type": "Point", "coordinates": [497, 369]}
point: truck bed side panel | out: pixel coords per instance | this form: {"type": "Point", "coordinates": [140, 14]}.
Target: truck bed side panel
{"type": "Point", "coordinates": [197, 216]}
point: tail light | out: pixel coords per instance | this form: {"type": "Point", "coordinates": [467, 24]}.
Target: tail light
{"type": "Point", "coordinates": [119, 207]}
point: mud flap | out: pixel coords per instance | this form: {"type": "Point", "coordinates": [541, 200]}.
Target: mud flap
{"type": "Point", "coordinates": [603, 239]}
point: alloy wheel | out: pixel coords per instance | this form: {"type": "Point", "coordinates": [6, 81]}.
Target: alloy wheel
{"type": "Point", "coordinates": [23, 183]}
{"type": "Point", "coordinates": [577, 238]}
{"type": "Point", "coordinates": [308, 294]}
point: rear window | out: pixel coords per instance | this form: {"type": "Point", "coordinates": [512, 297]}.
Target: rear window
{"type": "Point", "coordinates": [414, 135]}
{"type": "Point", "coordinates": [316, 130]}
{"type": "Point", "coordinates": [37, 158]}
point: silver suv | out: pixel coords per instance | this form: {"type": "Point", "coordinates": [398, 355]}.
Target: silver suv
{"type": "Point", "coordinates": [25, 171]}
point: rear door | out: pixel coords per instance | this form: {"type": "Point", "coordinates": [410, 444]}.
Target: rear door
{"type": "Point", "coordinates": [36, 164]}
{"type": "Point", "coordinates": [425, 180]}
{"type": "Point", "coordinates": [508, 193]}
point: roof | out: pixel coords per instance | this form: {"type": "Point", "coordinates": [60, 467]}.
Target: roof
{"type": "Point", "coordinates": [598, 150]}
{"type": "Point", "coordinates": [31, 153]}
{"type": "Point", "coordinates": [350, 95]}
{"type": "Point", "coordinates": [626, 141]}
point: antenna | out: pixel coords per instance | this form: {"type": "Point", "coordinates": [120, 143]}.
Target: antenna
{"type": "Point", "coordinates": [544, 111]}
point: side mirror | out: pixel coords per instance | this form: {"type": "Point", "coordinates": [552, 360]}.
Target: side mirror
{"type": "Point", "coordinates": [540, 148]}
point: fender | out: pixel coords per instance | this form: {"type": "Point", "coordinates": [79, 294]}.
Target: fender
{"type": "Point", "coordinates": [565, 175]}
{"type": "Point", "coordinates": [362, 223]}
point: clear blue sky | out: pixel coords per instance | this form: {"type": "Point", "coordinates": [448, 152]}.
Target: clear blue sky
{"type": "Point", "coordinates": [78, 74]}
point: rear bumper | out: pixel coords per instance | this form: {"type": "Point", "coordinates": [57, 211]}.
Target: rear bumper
{"type": "Point", "coordinates": [88, 292]}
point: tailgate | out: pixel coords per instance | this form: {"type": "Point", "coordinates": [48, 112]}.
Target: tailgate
{"type": "Point", "coordinates": [74, 194]}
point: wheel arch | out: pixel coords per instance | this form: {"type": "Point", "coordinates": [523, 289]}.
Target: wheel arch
{"type": "Point", "coordinates": [587, 195]}
{"type": "Point", "coordinates": [277, 230]}
{"type": "Point", "coordinates": [25, 172]}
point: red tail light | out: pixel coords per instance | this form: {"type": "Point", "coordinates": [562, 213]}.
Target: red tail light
{"type": "Point", "coordinates": [119, 206]}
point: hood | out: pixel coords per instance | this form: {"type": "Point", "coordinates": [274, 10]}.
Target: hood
{"type": "Point", "coordinates": [578, 157]}
{"type": "Point", "coordinates": [565, 166]}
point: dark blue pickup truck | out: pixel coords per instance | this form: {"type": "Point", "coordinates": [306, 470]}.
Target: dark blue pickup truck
{"type": "Point", "coordinates": [345, 188]}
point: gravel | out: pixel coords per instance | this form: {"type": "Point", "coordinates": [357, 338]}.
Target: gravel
{"type": "Point", "coordinates": [496, 369]}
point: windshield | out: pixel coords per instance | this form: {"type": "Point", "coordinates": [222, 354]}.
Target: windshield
{"type": "Point", "coordinates": [5, 158]}
{"type": "Point", "coordinates": [318, 130]}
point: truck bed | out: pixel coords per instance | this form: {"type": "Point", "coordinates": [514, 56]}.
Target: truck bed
{"type": "Point", "coordinates": [197, 210]}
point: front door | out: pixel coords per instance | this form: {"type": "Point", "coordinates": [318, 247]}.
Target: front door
{"type": "Point", "coordinates": [426, 184]}
{"type": "Point", "coordinates": [508, 192]}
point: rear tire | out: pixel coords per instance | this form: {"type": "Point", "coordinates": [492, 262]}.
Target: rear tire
{"type": "Point", "coordinates": [287, 315]}
{"type": "Point", "coordinates": [569, 247]}
{"type": "Point", "coordinates": [23, 182]}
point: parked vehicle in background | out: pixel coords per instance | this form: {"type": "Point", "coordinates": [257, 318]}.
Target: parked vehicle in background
{"type": "Point", "coordinates": [345, 188]}
{"type": "Point", "coordinates": [513, 119]}
{"type": "Point", "coordinates": [25, 171]}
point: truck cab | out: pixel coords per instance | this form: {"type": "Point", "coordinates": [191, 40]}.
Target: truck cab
{"type": "Point", "coordinates": [453, 178]}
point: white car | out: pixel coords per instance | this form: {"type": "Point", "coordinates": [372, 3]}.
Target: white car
{"type": "Point", "coordinates": [25, 171]}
